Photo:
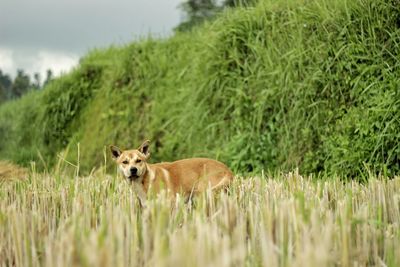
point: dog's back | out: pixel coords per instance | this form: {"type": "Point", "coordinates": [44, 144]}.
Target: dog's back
{"type": "Point", "coordinates": [193, 175]}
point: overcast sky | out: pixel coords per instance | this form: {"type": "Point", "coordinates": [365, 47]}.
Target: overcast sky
{"type": "Point", "coordinates": [36, 35]}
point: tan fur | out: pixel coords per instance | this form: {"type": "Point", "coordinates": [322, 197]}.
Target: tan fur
{"type": "Point", "coordinates": [9, 171]}
{"type": "Point", "coordinates": [186, 176]}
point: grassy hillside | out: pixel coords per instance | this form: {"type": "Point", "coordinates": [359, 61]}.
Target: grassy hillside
{"type": "Point", "coordinates": [51, 220]}
{"type": "Point", "coordinates": [313, 84]}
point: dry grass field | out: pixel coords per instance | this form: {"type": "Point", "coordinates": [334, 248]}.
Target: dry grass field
{"type": "Point", "coordinates": [288, 220]}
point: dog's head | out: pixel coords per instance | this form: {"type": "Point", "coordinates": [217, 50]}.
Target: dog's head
{"type": "Point", "coordinates": [132, 163]}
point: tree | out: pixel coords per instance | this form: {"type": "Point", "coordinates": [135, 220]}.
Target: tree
{"type": "Point", "coordinates": [236, 3]}
{"type": "Point", "coordinates": [5, 86]}
{"type": "Point", "coordinates": [197, 11]}
{"type": "Point", "coordinates": [36, 83]}
{"type": "Point", "coordinates": [21, 84]}
{"type": "Point", "coordinates": [49, 77]}
{"type": "Point", "coordinates": [3, 96]}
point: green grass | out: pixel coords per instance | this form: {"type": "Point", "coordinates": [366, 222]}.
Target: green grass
{"type": "Point", "coordinates": [285, 220]}
{"type": "Point", "coordinates": [307, 84]}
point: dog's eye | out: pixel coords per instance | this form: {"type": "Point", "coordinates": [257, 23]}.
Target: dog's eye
{"type": "Point", "coordinates": [125, 162]}
{"type": "Point", "coordinates": [138, 160]}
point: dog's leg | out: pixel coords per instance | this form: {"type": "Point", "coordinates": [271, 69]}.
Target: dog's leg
{"type": "Point", "coordinates": [222, 184]}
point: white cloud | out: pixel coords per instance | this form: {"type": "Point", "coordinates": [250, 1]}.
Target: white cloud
{"type": "Point", "coordinates": [58, 62]}
{"type": "Point", "coordinates": [6, 61]}
{"type": "Point", "coordinates": [53, 34]}
{"type": "Point", "coordinates": [36, 61]}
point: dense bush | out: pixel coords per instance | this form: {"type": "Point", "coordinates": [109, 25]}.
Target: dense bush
{"type": "Point", "coordinates": [285, 84]}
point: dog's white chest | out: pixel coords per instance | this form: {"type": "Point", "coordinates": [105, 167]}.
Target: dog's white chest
{"type": "Point", "coordinates": [139, 190]}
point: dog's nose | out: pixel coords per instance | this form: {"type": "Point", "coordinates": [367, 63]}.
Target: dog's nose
{"type": "Point", "coordinates": [133, 171]}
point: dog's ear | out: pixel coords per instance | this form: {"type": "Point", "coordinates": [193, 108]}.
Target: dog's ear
{"type": "Point", "coordinates": [145, 148]}
{"type": "Point", "coordinates": [115, 152]}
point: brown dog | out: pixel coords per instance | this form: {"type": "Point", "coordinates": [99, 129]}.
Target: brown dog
{"type": "Point", "coordinates": [186, 176]}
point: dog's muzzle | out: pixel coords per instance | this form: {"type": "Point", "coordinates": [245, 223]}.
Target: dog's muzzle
{"type": "Point", "coordinates": [133, 174]}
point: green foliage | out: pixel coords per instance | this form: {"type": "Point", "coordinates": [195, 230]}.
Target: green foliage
{"type": "Point", "coordinates": [21, 84]}
{"type": "Point", "coordinates": [64, 102]}
{"type": "Point", "coordinates": [199, 11]}
{"type": "Point", "coordinates": [21, 128]}
{"type": "Point", "coordinates": [308, 84]}
{"type": "Point", "coordinates": [12, 89]}
{"type": "Point", "coordinates": [5, 86]}
{"type": "Point", "coordinates": [239, 3]}
{"type": "Point", "coordinates": [3, 94]}
{"type": "Point", "coordinates": [49, 77]}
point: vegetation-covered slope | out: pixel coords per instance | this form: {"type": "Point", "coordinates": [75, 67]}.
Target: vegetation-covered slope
{"type": "Point", "coordinates": [313, 84]}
